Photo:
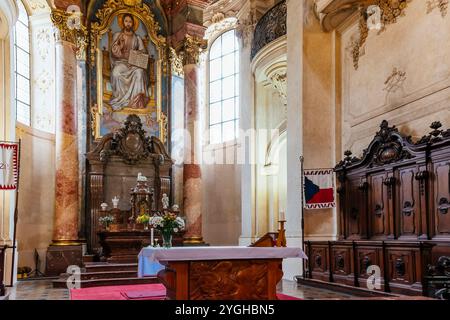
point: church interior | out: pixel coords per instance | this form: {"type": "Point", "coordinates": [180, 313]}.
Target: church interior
{"type": "Point", "coordinates": [224, 150]}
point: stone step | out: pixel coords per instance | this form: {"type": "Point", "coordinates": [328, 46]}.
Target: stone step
{"type": "Point", "coordinates": [106, 267]}
{"type": "Point", "coordinates": [108, 275]}
{"type": "Point", "coordinates": [61, 283]}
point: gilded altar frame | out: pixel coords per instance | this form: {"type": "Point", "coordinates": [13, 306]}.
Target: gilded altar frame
{"type": "Point", "coordinates": [106, 15]}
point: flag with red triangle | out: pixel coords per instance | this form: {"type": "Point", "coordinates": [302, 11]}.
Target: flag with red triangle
{"type": "Point", "coordinates": [319, 189]}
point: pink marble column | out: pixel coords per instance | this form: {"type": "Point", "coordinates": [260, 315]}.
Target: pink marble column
{"type": "Point", "coordinates": [192, 176]}
{"type": "Point", "coordinates": [67, 177]}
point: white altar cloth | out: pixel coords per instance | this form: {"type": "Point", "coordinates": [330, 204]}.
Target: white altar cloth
{"type": "Point", "coordinates": [150, 257]}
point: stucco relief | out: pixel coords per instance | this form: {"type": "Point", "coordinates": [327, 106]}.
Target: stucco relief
{"type": "Point", "coordinates": [397, 80]}
{"type": "Point", "coordinates": [44, 81]}
{"type": "Point", "coordinates": [43, 38]}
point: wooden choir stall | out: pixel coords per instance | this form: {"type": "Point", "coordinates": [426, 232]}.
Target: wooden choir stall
{"type": "Point", "coordinates": [114, 167]}
{"type": "Point", "coordinates": [394, 213]}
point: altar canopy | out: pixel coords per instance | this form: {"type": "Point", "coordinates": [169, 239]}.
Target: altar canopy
{"type": "Point", "coordinates": [8, 165]}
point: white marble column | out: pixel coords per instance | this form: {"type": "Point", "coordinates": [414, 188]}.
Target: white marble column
{"type": "Point", "coordinates": [246, 152]}
{"type": "Point", "coordinates": [293, 267]}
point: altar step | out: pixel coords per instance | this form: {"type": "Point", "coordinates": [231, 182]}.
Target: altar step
{"type": "Point", "coordinates": [97, 274]}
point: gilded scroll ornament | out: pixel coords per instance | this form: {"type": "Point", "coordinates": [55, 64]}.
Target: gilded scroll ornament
{"type": "Point", "coordinates": [192, 47]}
{"type": "Point", "coordinates": [391, 10]}
{"type": "Point", "coordinates": [176, 63]}
{"type": "Point", "coordinates": [70, 29]}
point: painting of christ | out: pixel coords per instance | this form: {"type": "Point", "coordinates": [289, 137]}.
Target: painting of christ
{"type": "Point", "coordinates": [129, 82]}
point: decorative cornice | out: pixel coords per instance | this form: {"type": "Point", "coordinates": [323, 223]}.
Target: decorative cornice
{"type": "Point", "coordinates": [69, 28]}
{"type": "Point", "coordinates": [191, 49]}
{"type": "Point", "coordinates": [219, 26]}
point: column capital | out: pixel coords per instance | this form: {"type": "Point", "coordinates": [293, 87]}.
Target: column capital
{"type": "Point", "coordinates": [68, 27]}
{"type": "Point", "coordinates": [191, 48]}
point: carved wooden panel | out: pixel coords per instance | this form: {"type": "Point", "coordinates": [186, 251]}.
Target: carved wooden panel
{"type": "Point", "coordinates": [441, 199]}
{"type": "Point", "coordinates": [408, 207]}
{"type": "Point", "coordinates": [228, 280]}
{"type": "Point", "coordinates": [318, 261]}
{"type": "Point", "coordinates": [378, 206]}
{"type": "Point", "coordinates": [356, 211]}
{"type": "Point", "coordinates": [401, 267]}
{"type": "Point", "coordinates": [342, 264]}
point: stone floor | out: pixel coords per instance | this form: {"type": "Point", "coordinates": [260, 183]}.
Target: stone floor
{"type": "Point", "coordinates": [43, 290]}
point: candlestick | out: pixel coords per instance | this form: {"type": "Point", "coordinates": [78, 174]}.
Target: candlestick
{"type": "Point", "coordinates": [151, 236]}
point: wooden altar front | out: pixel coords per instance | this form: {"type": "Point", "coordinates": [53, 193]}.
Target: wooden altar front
{"type": "Point", "coordinates": [112, 170]}
{"type": "Point", "coordinates": [219, 273]}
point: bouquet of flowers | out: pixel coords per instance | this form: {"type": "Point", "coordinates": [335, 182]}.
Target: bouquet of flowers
{"type": "Point", "coordinates": [168, 224]}
{"type": "Point", "coordinates": [106, 220]}
{"type": "Point", "coordinates": [143, 219]}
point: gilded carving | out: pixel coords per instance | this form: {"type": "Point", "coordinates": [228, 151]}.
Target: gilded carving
{"type": "Point", "coordinates": [390, 10]}
{"type": "Point", "coordinates": [192, 47]}
{"type": "Point", "coordinates": [176, 63]}
{"type": "Point", "coordinates": [67, 29]}
{"type": "Point", "coordinates": [442, 5]}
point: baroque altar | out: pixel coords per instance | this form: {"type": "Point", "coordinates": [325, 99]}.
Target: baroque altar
{"type": "Point", "coordinates": [112, 170]}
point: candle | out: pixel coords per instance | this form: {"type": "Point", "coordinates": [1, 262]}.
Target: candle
{"type": "Point", "coordinates": [282, 216]}
{"type": "Point", "coordinates": [151, 237]}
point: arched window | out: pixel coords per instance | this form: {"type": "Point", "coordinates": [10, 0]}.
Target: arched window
{"type": "Point", "coordinates": [224, 88]}
{"type": "Point", "coordinates": [22, 66]}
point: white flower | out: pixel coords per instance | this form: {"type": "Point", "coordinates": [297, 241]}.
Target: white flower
{"type": "Point", "coordinates": [175, 229]}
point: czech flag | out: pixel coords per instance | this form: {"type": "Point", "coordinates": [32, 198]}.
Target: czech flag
{"type": "Point", "coordinates": [319, 189]}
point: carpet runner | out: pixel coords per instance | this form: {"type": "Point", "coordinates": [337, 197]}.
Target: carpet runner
{"type": "Point", "coordinates": [132, 292]}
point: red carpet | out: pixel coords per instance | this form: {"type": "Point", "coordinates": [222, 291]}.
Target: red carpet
{"type": "Point", "coordinates": [132, 292]}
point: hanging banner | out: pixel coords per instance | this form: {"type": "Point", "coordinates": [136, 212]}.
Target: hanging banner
{"type": "Point", "coordinates": [8, 165]}
{"type": "Point", "coordinates": [319, 189]}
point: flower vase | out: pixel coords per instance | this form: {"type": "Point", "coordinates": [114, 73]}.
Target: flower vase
{"type": "Point", "coordinates": [167, 240]}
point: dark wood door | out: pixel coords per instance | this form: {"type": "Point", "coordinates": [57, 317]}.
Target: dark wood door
{"type": "Point", "coordinates": [441, 199]}
{"type": "Point", "coordinates": [408, 204]}
{"type": "Point", "coordinates": [356, 210]}
{"type": "Point", "coordinates": [379, 211]}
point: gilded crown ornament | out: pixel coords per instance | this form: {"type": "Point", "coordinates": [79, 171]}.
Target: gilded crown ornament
{"type": "Point", "coordinates": [69, 28]}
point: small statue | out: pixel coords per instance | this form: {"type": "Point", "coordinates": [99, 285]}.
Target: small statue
{"type": "Point", "coordinates": [165, 201]}
{"type": "Point", "coordinates": [141, 178]}
{"type": "Point", "coordinates": [115, 202]}
{"type": "Point", "coordinates": [104, 206]}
